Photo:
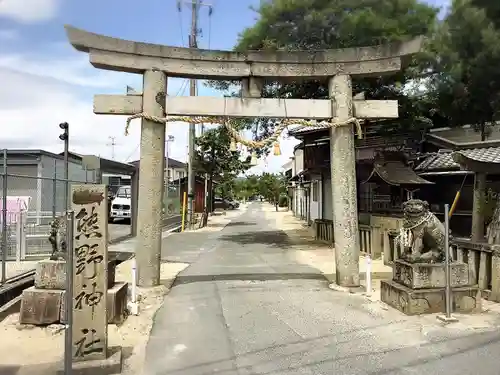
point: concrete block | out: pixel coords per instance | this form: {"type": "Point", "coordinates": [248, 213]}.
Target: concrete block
{"type": "Point", "coordinates": [427, 276]}
{"type": "Point", "coordinates": [40, 306]}
{"type": "Point", "coordinates": [112, 364]}
{"type": "Point", "coordinates": [50, 274]}
{"type": "Point", "coordinates": [116, 302]}
{"type": "Point", "coordinates": [428, 301]}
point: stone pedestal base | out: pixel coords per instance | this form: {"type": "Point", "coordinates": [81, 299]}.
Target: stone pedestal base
{"type": "Point", "coordinates": [428, 301]}
{"type": "Point", "coordinates": [108, 366]}
{"type": "Point", "coordinates": [427, 276]}
{"type": "Point", "coordinates": [47, 306]}
{"type": "Point", "coordinates": [51, 274]}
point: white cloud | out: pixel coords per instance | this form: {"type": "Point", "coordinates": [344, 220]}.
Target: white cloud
{"type": "Point", "coordinates": [8, 34]}
{"type": "Point", "coordinates": [72, 69]}
{"type": "Point", "coordinates": [29, 11]}
{"type": "Point", "coordinates": [38, 92]}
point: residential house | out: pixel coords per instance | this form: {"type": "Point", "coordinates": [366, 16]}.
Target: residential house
{"type": "Point", "coordinates": [438, 164]}
{"type": "Point", "coordinates": [287, 171]}
{"type": "Point", "coordinates": [174, 169]}
{"type": "Point", "coordinates": [112, 173]}
{"type": "Point", "coordinates": [316, 171]}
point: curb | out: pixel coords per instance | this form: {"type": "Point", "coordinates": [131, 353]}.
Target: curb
{"type": "Point", "coordinates": [168, 232]}
{"type": "Point", "coordinates": [380, 275]}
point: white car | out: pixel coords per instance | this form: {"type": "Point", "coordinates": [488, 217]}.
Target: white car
{"type": "Point", "coordinates": [121, 206]}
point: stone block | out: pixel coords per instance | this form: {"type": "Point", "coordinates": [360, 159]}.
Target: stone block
{"type": "Point", "coordinates": [428, 301]}
{"type": "Point", "coordinates": [112, 364]}
{"type": "Point", "coordinates": [117, 303]}
{"type": "Point", "coordinates": [111, 274]}
{"type": "Point", "coordinates": [116, 308]}
{"type": "Point", "coordinates": [50, 274]}
{"type": "Point", "coordinates": [427, 276]}
{"type": "Point", "coordinates": [40, 306]}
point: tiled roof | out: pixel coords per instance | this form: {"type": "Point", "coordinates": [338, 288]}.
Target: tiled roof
{"type": "Point", "coordinates": [484, 155]}
{"type": "Point", "coordinates": [396, 173]}
{"type": "Point", "coordinates": [437, 161]}
{"type": "Point", "coordinates": [300, 129]}
{"type": "Point", "coordinates": [444, 160]}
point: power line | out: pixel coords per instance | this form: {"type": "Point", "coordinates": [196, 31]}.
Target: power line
{"type": "Point", "coordinates": [132, 153]}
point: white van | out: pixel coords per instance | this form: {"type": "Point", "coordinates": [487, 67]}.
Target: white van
{"type": "Point", "coordinates": [121, 206]}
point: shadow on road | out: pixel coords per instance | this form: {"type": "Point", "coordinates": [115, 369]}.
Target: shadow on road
{"type": "Point", "coordinates": [232, 224]}
{"type": "Point", "coordinates": [275, 238]}
{"type": "Point", "coordinates": [259, 276]}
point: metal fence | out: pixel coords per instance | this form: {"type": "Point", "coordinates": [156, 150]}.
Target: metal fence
{"type": "Point", "coordinates": [28, 205]}
{"type": "Point", "coordinates": [172, 200]}
{"type": "Point", "coordinates": [32, 196]}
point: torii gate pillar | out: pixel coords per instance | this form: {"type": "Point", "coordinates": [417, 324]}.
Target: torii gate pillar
{"type": "Point", "coordinates": [151, 170]}
{"type": "Point", "coordinates": [343, 170]}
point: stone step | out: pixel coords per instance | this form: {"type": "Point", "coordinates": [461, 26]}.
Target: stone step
{"type": "Point", "coordinates": [429, 301]}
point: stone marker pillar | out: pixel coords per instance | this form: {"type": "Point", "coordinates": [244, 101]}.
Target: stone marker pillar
{"type": "Point", "coordinates": [148, 251]}
{"type": "Point", "coordinates": [343, 169]}
{"type": "Point", "coordinates": [90, 284]}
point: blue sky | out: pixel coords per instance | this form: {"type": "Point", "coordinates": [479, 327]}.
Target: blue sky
{"type": "Point", "coordinates": [45, 81]}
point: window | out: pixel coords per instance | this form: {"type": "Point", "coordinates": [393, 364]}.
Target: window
{"type": "Point", "coordinates": [315, 191]}
{"type": "Point", "coordinates": [124, 192]}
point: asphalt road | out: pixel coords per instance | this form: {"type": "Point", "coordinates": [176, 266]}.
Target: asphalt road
{"type": "Point", "coordinates": [122, 228]}
{"type": "Point", "coordinates": [245, 307]}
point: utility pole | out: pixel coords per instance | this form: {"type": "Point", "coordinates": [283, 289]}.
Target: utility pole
{"type": "Point", "coordinates": [193, 43]}
{"type": "Point", "coordinates": [112, 144]}
{"type": "Point", "coordinates": [170, 138]}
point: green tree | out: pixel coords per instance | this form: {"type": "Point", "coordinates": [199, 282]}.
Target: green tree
{"type": "Point", "coordinates": [272, 187]}
{"type": "Point", "coordinates": [465, 81]}
{"type": "Point", "coordinates": [492, 9]}
{"type": "Point", "coordinates": [215, 159]}
{"type": "Point", "coordinates": [246, 187]}
{"type": "Point", "coordinates": [322, 24]}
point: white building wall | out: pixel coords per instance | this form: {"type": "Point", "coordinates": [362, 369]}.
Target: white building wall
{"type": "Point", "coordinates": [316, 199]}
{"type": "Point", "coordinates": [327, 197]}
{"type": "Point", "coordinates": [299, 160]}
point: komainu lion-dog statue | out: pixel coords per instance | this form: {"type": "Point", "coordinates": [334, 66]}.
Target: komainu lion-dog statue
{"type": "Point", "coordinates": [422, 236]}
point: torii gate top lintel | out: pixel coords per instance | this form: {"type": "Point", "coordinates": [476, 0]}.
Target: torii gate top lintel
{"type": "Point", "coordinates": [136, 57]}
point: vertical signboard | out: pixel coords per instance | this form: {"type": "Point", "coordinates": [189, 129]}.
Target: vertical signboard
{"type": "Point", "coordinates": [89, 328]}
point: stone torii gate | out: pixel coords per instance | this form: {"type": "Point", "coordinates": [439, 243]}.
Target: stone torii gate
{"type": "Point", "coordinates": [157, 62]}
